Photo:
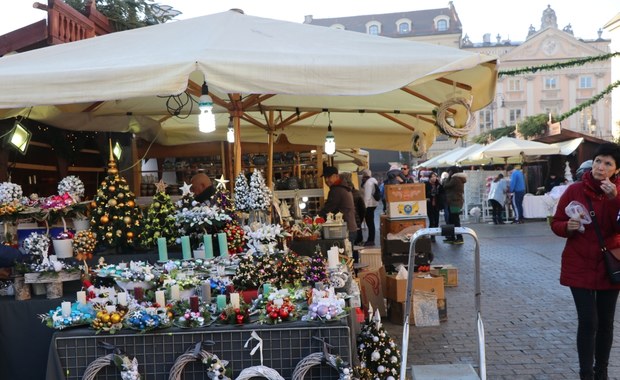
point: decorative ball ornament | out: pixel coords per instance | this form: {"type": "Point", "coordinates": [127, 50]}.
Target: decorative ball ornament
{"type": "Point", "coordinates": [93, 204]}
{"type": "Point", "coordinates": [130, 235]}
{"type": "Point", "coordinates": [112, 188]}
{"type": "Point", "coordinates": [109, 235]}
{"type": "Point", "coordinates": [127, 220]}
{"type": "Point", "coordinates": [112, 202]}
{"type": "Point", "coordinates": [130, 203]}
{"type": "Point", "coordinates": [104, 219]}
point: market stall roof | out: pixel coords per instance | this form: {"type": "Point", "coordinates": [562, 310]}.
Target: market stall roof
{"type": "Point", "coordinates": [274, 75]}
{"type": "Point", "coordinates": [569, 146]}
{"type": "Point", "coordinates": [507, 147]}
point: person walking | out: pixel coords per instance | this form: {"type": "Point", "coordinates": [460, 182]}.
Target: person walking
{"type": "Point", "coordinates": [455, 190]}
{"type": "Point", "coordinates": [497, 197]}
{"type": "Point", "coordinates": [433, 201]}
{"type": "Point", "coordinates": [442, 196]}
{"type": "Point", "coordinates": [369, 186]}
{"type": "Point", "coordinates": [517, 189]}
{"type": "Point", "coordinates": [583, 268]}
{"type": "Point", "coordinates": [360, 206]}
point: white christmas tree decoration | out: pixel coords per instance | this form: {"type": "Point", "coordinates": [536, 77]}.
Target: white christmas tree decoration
{"type": "Point", "coordinates": [260, 195]}
{"type": "Point", "coordinates": [242, 192]}
{"type": "Point", "coordinates": [567, 173]}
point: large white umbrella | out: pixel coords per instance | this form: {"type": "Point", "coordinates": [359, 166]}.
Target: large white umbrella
{"type": "Point", "coordinates": [506, 147]}
{"type": "Point", "coordinates": [270, 75]}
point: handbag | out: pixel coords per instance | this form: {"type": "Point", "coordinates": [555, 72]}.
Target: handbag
{"type": "Point", "coordinates": [611, 257]}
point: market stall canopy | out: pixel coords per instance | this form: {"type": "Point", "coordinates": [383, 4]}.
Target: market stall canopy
{"type": "Point", "coordinates": [569, 146]}
{"type": "Point", "coordinates": [507, 147]}
{"type": "Point", "coordinates": [272, 74]}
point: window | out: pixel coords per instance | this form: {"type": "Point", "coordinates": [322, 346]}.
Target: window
{"type": "Point", "coordinates": [585, 81]}
{"type": "Point", "coordinates": [514, 116]}
{"type": "Point", "coordinates": [485, 120]}
{"type": "Point", "coordinates": [373, 30]}
{"type": "Point", "coordinates": [551, 83]}
{"type": "Point", "coordinates": [514, 85]}
{"type": "Point", "coordinates": [403, 28]}
{"type": "Point", "coordinates": [442, 25]}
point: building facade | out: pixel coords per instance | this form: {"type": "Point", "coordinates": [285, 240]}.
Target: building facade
{"type": "Point", "coordinates": [550, 92]}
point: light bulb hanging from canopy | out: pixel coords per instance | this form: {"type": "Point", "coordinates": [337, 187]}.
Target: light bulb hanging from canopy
{"type": "Point", "coordinates": [330, 140]}
{"type": "Point", "coordinates": [206, 119]}
{"type": "Point", "coordinates": [230, 134]}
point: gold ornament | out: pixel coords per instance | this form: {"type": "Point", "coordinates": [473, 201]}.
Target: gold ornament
{"type": "Point", "coordinates": [119, 233]}
{"type": "Point", "coordinates": [127, 220]}
{"type": "Point", "coordinates": [129, 235]}
{"type": "Point", "coordinates": [109, 235]}
{"type": "Point", "coordinates": [121, 195]}
{"type": "Point", "coordinates": [112, 188]}
{"type": "Point", "coordinates": [130, 203]}
{"type": "Point", "coordinates": [104, 219]}
{"type": "Point", "coordinates": [112, 202]}
{"type": "Point", "coordinates": [93, 204]}
{"type": "Point", "coordinates": [121, 205]}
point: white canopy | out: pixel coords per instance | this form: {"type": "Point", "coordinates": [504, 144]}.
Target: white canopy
{"type": "Point", "coordinates": [506, 147]}
{"type": "Point", "coordinates": [569, 146]}
{"type": "Point", "coordinates": [272, 74]}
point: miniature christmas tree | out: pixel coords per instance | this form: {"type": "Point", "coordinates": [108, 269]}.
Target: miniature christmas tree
{"type": "Point", "coordinates": [242, 192]}
{"type": "Point", "coordinates": [376, 350]}
{"type": "Point", "coordinates": [159, 220]}
{"type": "Point", "coordinates": [222, 197]}
{"type": "Point", "coordinates": [568, 175]}
{"type": "Point", "coordinates": [235, 236]}
{"type": "Point", "coordinates": [289, 270]}
{"type": "Point", "coordinates": [115, 217]}
{"type": "Point", "coordinates": [259, 198]}
{"type": "Point", "coordinates": [316, 271]}
{"type": "Point", "coordinates": [187, 198]}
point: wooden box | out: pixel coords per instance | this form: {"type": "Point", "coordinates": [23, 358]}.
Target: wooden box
{"type": "Point", "coordinates": [406, 192]}
{"type": "Point", "coordinates": [393, 226]}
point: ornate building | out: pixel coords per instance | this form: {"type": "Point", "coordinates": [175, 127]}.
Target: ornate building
{"type": "Point", "coordinates": [556, 91]}
{"type": "Point", "coordinates": [613, 26]}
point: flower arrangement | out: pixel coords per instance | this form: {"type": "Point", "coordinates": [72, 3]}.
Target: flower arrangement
{"type": "Point", "coordinates": [57, 202]}
{"type": "Point", "coordinates": [37, 244]}
{"type": "Point", "coordinates": [55, 320]}
{"type": "Point", "coordinates": [279, 308]}
{"type": "Point", "coordinates": [72, 185]}
{"type": "Point", "coordinates": [235, 315]}
{"type": "Point", "coordinates": [263, 238]}
{"type": "Point", "coordinates": [325, 305]}
{"type": "Point", "coordinates": [193, 319]}
{"type": "Point", "coordinates": [10, 193]}
{"type": "Point", "coordinates": [307, 228]}
{"type": "Point", "coordinates": [84, 243]}
{"type": "Point", "coordinates": [128, 367]}
{"type": "Point", "coordinates": [219, 285]}
{"type": "Point", "coordinates": [217, 367]}
{"type": "Point", "coordinates": [147, 319]}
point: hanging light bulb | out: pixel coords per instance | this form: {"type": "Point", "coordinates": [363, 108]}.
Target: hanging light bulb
{"type": "Point", "coordinates": [330, 140]}
{"type": "Point", "coordinates": [206, 119]}
{"type": "Point", "coordinates": [230, 134]}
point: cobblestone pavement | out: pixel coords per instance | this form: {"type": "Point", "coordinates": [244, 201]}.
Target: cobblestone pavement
{"type": "Point", "coordinates": [529, 318]}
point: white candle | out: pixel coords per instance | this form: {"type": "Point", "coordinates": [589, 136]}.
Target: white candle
{"type": "Point", "coordinates": [332, 258]}
{"type": "Point", "coordinates": [110, 308]}
{"type": "Point", "coordinates": [122, 298]}
{"type": "Point", "coordinates": [175, 292]}
{"type": "Point", "coordinates": [160, 298]}
{"type": "Point", "coordinates": [81, 297]}
{"type": "Point", "coordinates": [234, 300]}
{"type": "Point", "coordinates": [66, 309]}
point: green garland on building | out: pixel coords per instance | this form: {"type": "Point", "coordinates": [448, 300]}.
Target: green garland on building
{"type": "Point", "coordinates": [590, 102]}
{"type": "Point", "coordinates": [559, 65]}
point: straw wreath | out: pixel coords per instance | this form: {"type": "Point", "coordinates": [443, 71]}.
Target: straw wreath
{"type": "Point", "coordinates": [216, 366]}
{"type": "Point", "coordinates": [127, 372]}
{"type": "Point", "coordinates": [259, 370]}
{"type": "Point", "coordinates": [443, 114]}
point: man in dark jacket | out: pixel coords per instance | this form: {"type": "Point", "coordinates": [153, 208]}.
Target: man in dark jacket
{"type": "Point", "coordinates": [454, 187]}
{"type": "Point", "coordinates": [202, 187]}
{"type": "Point", "coordinates": [339, 199]}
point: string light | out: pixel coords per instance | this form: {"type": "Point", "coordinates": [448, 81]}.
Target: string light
{"type": "Point", "coordinates": [330, 140]}
{"type": "Point", "coordinates": [230, 134]}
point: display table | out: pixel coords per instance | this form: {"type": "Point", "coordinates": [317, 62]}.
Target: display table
{"type": "Point", "coordinates": [284, 345]}
{"type": "Point", "coordinates": [538, 206]}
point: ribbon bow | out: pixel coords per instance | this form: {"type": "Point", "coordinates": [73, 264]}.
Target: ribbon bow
{"type": "Point", "coordinates": [198, 347]}
{"type": "Point", "coordinates": [259, 345]}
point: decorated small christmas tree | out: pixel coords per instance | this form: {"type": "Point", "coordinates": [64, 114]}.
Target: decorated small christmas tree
{"type": "Point", "coordinates": [289, 270]}
{"type": "Point", "coordinates": [115, 217]}
{"type": "Point", "coordinates": [159, 220]}
{"type": "Point", "coordinates": [568, 175]}
{"type": "Point", "coordinates": [235, 237]}
{"type": "Point", "coordinates": [187, 198]}
{"type": "Point", "coordinates": [376, 350]}
{"type": "Point", "coordinates": [259, 198]}
{"type": "Point", "coordinates": [242, 192]}
{"type": "Point", "coordinates": [221, 198]}
{"type": "Point", "coordinates": [316, 271]}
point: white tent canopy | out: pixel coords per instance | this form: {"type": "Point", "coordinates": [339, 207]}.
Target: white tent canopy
{"type": "Point", "coordinates": [272, 75]}
{"type": "Point", "coordinates": [506, 147]}
{"type": "Point", "coordinates": [569, 146]}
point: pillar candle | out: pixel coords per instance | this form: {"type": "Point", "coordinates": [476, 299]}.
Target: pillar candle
{"type": "Point", "coordinates": [221, 302]}
{"type": "Point", "coordinates": [122, 298]}
{"type": "Point", "coordinates": [223, 244]}
{"type": "Point", "coordinates": [186, 248]}
{"type": "Point", "coordinates": [332, 258]}
{"type": "Point", "coordinates": [160, 298]}
{"type": "Point", "coordinates": [110, 308]}
{"type": "Point", "coordinates": [266, 288]}
{"type": "Point", "coordinates": [66, 309]}
{"type": "Point", "coordinates": [234, 300]}
{"type": "Point", "coordinates": [193, 303]}
{"type": "Point", "coordinates": [81, 297]}
{"type": "Point", "coordinates": [199, 253]}
{"type": "Point", "coordinates": [208, 245]}
{"type": "Point", "coordinates": [138, 293]}
{"type": "Point", "coordinates": [162, 247]}
{"type": "Point", "coordinates": [206, 292]}
{"type": "Point", "coordinates": [175, 292]}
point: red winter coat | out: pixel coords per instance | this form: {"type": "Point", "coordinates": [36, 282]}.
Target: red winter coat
{"type": "Point", "coordinates": [582, 260]}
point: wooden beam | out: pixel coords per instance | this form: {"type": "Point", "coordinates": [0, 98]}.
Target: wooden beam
{"type": "Point", "coordinates": [425, 98]}
{"type": "Point", "coordinates": [453, 83]}
{"type": "Point", "coordinates": [397, 121]}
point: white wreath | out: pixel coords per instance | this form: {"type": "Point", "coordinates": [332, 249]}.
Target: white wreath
{"type": "Point", "coordinates": [418, 145]}
{"type": "Point", "coordinates": [443, 115]}
{"type": "Point", "coordinates": [317, 358]}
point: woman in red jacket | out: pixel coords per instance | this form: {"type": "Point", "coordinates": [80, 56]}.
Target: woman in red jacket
{"type": "Point", "coordinates": [583, 268]}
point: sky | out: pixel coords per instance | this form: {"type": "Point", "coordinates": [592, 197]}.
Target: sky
{"type": "Point", "coordinates": [511, 19]}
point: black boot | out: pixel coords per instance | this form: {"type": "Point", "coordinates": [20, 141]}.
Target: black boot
{"type": "Point", "coordinates": [600, 374]}
{"type": "Point", "coordinates": [588, 375]}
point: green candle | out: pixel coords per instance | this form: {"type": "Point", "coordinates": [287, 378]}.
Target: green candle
{"type": "Point", "coordinates": [186, 248]}
{"type": "Point", "coordinates": [208, 245]}
{"type": "Point", "coordinates": [162, 247]}
{"type": "Point", "coordinates": [223, 244]}
{"type": "Point", "coordinates": [221, 302]}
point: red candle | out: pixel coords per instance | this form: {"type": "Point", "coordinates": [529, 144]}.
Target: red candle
{"type": "Point", "coordinates": [193, 303]}
{"type": "Point", "coordinates": [138, 293]}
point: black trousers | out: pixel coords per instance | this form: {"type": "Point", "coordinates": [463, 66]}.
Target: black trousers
{"type": "Point", "coordinates": [455, 220]}
{"type": "Point", "coordinates": [370, 223]}
{"type": "Point", "coordinates": [498, 208]}
{"type": "Point", "coordinates": [595, 331]}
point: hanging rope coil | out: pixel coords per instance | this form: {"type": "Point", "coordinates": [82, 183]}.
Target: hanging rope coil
{"type": "Point", "coordinates": [444, 116]}
{"type": "Point", "coordinates": [103, 361]}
